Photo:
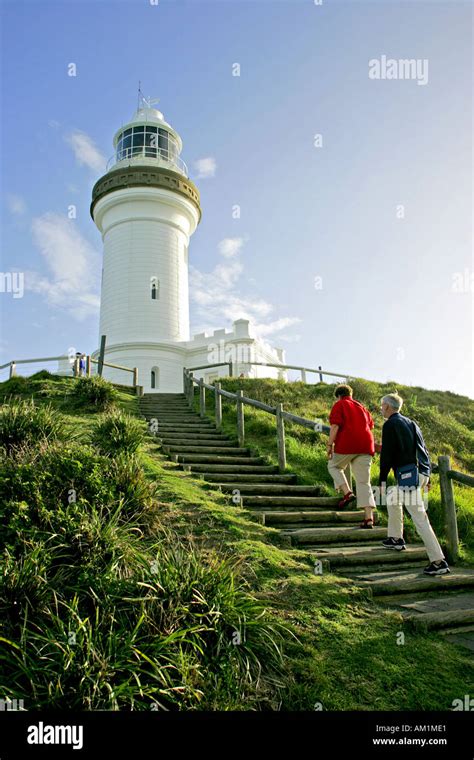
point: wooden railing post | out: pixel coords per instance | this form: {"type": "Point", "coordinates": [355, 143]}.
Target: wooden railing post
{"type": "Point", "coordinates": [88, 365]}
{"type": "Point", "coordinates": [191, 390]}
{"type": "Point", "coordinates": [202, 397]}
{"type": "Point", "coordinates": [320, 375]}
{"type": "Point", "coordinates": [281, 438]}
{"type": "Point", "coordinates": [218, 401]}
{"type": "Point", "coordinates": [449, 507]}
{"type": "Point", "coordinates": [12, 369]}
{"type": "Point", "coordinates": [135, 377]}
{"type": "Point", "coordinates": [100, 366]}
{"type": "Point", "coordinates": [240, 419]}
{"type": "Point", "coordinates": [231, 369]}
{"type": "Point", "coordinates": [303, 375]}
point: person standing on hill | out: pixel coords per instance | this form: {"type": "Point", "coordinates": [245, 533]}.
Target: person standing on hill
{"type": "Point", "coordinates": [351, 442]}
{"type": "Point", "coordinates": [404, 451]}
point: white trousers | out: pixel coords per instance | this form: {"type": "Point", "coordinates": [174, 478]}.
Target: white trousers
{"type": "Point", "coordinates": [412, 500]}
{"type": "Point", "coordinates": [360, 464]}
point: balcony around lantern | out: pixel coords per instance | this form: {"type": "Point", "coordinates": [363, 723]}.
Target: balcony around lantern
{"type": "Point", "coordinates": [148, 156]}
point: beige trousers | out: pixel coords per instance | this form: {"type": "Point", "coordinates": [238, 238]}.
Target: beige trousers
{"type": "Point", "coordinates": [412, 500]}
{"type": "Point", "coordinates": [360, 464]}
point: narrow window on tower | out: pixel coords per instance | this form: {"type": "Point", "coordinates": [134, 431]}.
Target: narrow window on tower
{"type": "Point", "coordinates": [154, 288]}
{"type": "Point", "coordinates": [155, 377]}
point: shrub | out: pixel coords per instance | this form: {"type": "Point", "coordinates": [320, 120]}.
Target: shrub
{"type": "Point", "coordinates": [94, 390]}
{"type": "Point", "coordinates": [118, 433]}
{"type": "Point", "coordinates": [22, 422]}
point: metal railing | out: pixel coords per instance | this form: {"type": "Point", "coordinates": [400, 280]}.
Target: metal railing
{"type": "Point", "coordinates": [146, 154]}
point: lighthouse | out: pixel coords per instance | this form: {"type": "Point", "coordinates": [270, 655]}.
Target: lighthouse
{"type": "Point", "coordinates": [146, 209]}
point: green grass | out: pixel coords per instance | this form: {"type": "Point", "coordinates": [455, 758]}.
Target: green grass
{"type": "Point", "coordinates": [157, 576]}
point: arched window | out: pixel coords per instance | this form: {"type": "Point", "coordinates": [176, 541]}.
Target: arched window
{"type": "Point", "coordinates": [154, 288]}
{"type": "Point", "coordinates": [155, 378]}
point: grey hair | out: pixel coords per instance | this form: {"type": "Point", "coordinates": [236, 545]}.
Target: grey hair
{"type": "Point", "coordinates": [393, 400]}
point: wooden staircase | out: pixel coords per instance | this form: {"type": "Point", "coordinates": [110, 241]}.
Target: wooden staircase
{"type": "Point", "coordinates": [309, 519]}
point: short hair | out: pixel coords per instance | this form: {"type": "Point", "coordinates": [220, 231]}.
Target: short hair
{"type": "Point", "coordinates": [393, 400]}
{"type": "Point", "coordinates": [342, 391]}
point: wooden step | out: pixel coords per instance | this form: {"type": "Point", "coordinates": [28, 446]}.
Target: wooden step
{"type": "Point", "coordinates": [209, 450]}
{"type": "Point", "coordinates": [238, 478]}
{"type": "Point", "coordinates": [308, 536]}
{"type": "Point", "coordinates": [187, 429]}
{"type": "Point", "coordinates": [217, 459]}
{"type": "Point", "coordinates": [397, 582]}
{"type": "Point", "coordinates": [344, 558]}
{"type": "Point", "coordinates": [283, 502]}
{"type": "Point", "coordinates": [264, 504]}
{"type": "Point", "coordinates": [296, 520]}
{"type": "Point", "coordinates": [240, 468]}
{"type": "Point", "coordinates": [440, 611]}
{"type": "Point", "coordinates": [197, 440]}
{"type": "Point", "coordinates": [269, 489]}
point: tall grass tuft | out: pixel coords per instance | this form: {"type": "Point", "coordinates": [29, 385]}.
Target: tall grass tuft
{"type": "Point", "coordinates": [23, 422]}
{"type": "Point", "coordinates": [94, 391]}
{"type": "Point", "coordinates": [117, 433]}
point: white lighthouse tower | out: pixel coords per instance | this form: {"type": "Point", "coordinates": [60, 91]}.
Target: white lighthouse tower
{"type": "Point", "coordinates": [146, 208]}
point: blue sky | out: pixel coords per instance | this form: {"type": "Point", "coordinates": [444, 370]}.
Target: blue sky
{"type": "Point", "coordinates": [355, 254]}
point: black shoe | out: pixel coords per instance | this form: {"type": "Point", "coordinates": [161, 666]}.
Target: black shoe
{"type": "Point", "coordinates": [394, 543]}
{"type": "Point", "coordinates": [437, 568]}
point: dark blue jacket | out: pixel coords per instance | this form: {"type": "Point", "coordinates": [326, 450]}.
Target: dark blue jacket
{"type": "Point", "coordinates": [402, 443]}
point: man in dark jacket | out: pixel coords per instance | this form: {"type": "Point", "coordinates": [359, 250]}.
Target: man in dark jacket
{"type": "Point", "coordinates": [403, 444]}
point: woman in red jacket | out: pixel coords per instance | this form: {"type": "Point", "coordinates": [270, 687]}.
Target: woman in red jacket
{"type": "Point", "coordinates": [351, 442]}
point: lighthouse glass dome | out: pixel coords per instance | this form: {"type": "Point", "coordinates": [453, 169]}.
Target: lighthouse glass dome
{"type": "Point", "coordinates": [148, 139]}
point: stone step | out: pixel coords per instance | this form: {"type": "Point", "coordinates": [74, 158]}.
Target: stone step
{"type": "Point", "coordinates": [217, 459]}
{"type": "Point", "coordinates": [344, 558]}
{"type": "Point", "coordinates": [208, 450]}
{"type": "Point", "coordinates": [311, 536]}
{"type": "Point", "coordinates": [268, 489]}
{"type": "Point", "coordinates": [399, 582]}
{"type": "Point", "coordinates": [230, 468]}
{"type": "Point", "coordinates": [238, 479]}
{"type": "Point", "coordinates": [296, 520]}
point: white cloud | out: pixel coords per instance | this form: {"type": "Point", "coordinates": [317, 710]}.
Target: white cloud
{"type": "Point", "coordinates": [230, 247]}
{"type": "Point", "coordinates": [16, 204]}
{"type": "Point", "coordinates": [217, 300]}
{"type": "Point", "coordinates": [205, 167]}
{"type": "Point", "coordinates": [73, 263]}
{"type": "Point", "coordinates": [86, 151]}
{"type": "Point", "coordinates": [54, 124]}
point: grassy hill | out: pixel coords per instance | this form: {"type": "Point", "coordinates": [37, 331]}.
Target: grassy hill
{"type": "Point", "coordinates": [128, 584]}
